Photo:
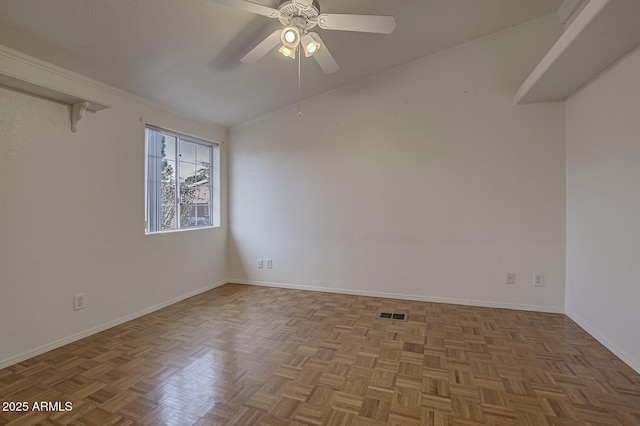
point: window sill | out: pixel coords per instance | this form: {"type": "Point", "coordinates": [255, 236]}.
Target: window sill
{"type": "Point", "coordinates": [197, 228]}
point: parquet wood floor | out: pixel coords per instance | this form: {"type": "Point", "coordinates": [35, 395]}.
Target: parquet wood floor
{"type": "Point", "coordinates": [247, 355]}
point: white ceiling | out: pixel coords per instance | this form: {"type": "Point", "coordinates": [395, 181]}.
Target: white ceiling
{"type": "Point", "coordinates": [186, 53]}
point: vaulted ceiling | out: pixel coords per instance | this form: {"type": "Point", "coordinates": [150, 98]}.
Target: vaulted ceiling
{"type": "Point", "coordinates": [186, 53]}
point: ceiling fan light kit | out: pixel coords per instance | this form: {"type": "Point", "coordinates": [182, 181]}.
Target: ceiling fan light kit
{"type": "Point", "coordinates": [300, 16]}
{"type": "Point", "coordinates": [290, 37]}
{"type": "Point", "coordinates": [311, 44]}
{"type": "Point", "coordinates": [288, 51]}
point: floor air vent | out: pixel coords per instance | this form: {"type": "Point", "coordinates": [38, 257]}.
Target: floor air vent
{"type": "Point", "coordinates": [393, 316]}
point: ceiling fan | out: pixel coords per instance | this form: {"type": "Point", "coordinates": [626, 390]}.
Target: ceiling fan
{"type": "Point", "coordinates": [300, 16]}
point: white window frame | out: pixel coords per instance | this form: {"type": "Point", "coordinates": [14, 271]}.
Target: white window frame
{"type": "Point", "coordinates": [214, 206]}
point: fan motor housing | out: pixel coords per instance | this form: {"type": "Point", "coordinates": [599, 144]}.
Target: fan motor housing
{"type": "Point", "coordinates": [288, 10]}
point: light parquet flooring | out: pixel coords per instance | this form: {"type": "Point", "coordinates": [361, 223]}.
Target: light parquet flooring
{"type": "Point", "coordinates": [247, 355]}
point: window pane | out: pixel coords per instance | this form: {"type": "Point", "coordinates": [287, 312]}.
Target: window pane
{"type": "Point", "coordinates": [202, 174]}
{"type": "Point", "coordinates": [168, 217]}
{"type": "Point", "coordinates": [203, 156]}
{"type": "Point", "coordinates": [188, 191]}
{"type": "Point", "coordinates": [168, 147]}
{"type": "Point", "coordinates": [168, 192]}
{"type": "Point", "coordinates": [203, 195]}
{"type": "Point", "coordinates": [187, 215]}
{"type": "Point", "coordinates": [187, 172]}
{"type": "Point", "coordinates": [187, 151]}
{"type": "Point", "coordinates": [202, 214]}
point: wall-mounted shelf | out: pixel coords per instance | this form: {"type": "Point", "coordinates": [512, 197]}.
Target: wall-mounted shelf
{"type": "Point", "coordinates": [603, 32]}
{"type": "Point", "coordinates": [45, 83]}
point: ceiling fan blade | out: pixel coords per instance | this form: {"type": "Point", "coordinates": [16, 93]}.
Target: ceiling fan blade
{"type": "Point", "coordinates": [324, 58]}
{"type": "Point", "coordinates": [362, 23]}
{"type": "Point", "coordinates": [264, 47]}
{"type": "Point", "coordinates": [247, 6]}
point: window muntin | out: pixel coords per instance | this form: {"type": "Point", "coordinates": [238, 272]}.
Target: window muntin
{"type": "Point", "coordinates": [182, 182]}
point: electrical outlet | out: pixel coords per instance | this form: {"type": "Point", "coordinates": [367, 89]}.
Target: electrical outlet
{"type": "Point", "coordinates": [78, 301]}
{"type": "Point", "coordinates": [510, 278]}
{"type": "Point", "coordinates": [269, 264]}
{"type": "Point", "coordinates": [538, 280]}
{"type": "Point", "coordinates": [260, 264]}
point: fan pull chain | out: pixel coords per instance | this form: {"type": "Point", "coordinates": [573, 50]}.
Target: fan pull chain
{"type": "Point", "coordinates": [299, 91]}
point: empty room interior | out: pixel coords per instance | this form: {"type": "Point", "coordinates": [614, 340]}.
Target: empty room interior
{"type": "Point", "coordinates": [320, 212]}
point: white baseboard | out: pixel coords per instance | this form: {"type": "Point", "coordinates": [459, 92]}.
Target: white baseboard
{"type": "Point", "coordinates": [628, 359]}
{"type": "Point", "coordinates": [482, 303]}
{"type": "Point", "coordinates": [69, 339]}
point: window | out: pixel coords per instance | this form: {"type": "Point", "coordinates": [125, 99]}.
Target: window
{"type": "Point", "coordinates": [183, 182]}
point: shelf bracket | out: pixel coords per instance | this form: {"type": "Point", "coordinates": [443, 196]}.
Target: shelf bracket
{"type": "Point", "coordinates": [77, 111]}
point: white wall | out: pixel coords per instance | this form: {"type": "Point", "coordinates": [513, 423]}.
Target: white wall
{"type": "Point", "coordinates": [72, 219]}
{"type": "Point", "coordinates": [423, 182]}
{"type": "Point", "coordinates": [603, 209]}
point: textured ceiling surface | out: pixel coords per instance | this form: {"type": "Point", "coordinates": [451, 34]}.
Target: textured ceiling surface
{"type": "Point", "coordinates": [186, 54]}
